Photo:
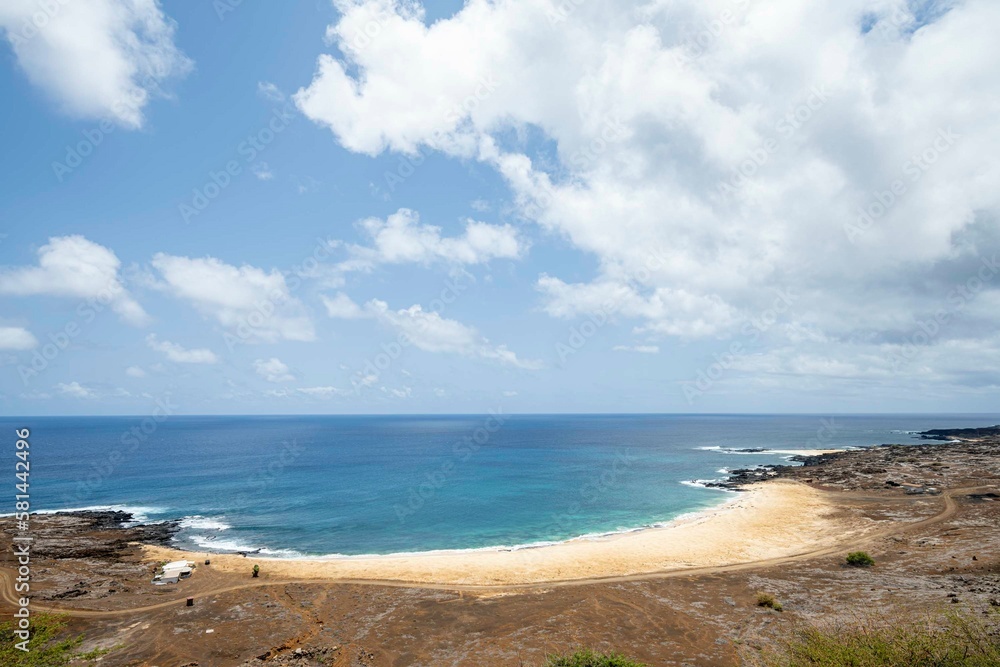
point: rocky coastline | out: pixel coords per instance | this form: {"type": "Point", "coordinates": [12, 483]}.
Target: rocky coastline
{"type": "Point", "coordinates": [961, 433]}
{"type": "Point", "coordinates": [111, 534]}
{"type": "Point", "coordinates": [919, 467]}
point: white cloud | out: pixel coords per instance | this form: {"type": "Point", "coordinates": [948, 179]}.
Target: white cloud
{"type": "Point", "coordinates": [135, 372]}
{"type": "Point", "coordinates": [180, 355]}
{"type": "Point", "coordinates": [72, 266]}
{"type": "Point", "coordinates": [652, 116]}
{"type": "Point", "coordinates": [306, 184]}
{"type": "Point", "coordinates": [256, 304]}
{"type": "Point", "coordinates": [322, 392]}
{"type": "Point", "coordinates": [510, 394]}
{"type": "Point", "coordinates": [405, 392]}
{"type": "Point", "coordinates": [430, 332]}
{"type": "Point", "coordinates": [262, 171]}
{"type": "Point", "coordinates": [273, 370]}
{"type": "Point", "coordinates": [342, 307]}
{"type": "Point", "coordinates": [97, 59]}
{"type": "Point", "coordinates": [16, 338]}
{"type": "Point", "coordinates": [676, 312]}
{"type": "Point", "coordinates": [36, 395]}
{"type": "Point", "coordinates": [76, 390]}
{"type": "Point", "coordinates": [269, 91]}
{"type": "Point", "coordinates": [641, 349]}
{"type": "Point", "coordinates": [401, 238]}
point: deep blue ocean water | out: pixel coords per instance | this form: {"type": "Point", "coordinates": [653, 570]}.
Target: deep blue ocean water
{"type": "Point", "coordinates": [323, 485]}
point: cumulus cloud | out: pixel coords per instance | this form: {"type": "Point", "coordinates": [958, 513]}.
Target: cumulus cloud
{"type": "Point", "coordinates": [180, 355]}
{"type": "Point", "coordinates": [842, 150]}
{"type": "Point", "coordinates": [429, 331]}
{"type": "Point", "coordinates": [273, 370]}
{"type": "Point", "coordinates": [76, 390]}
{"type": "Point", "coordinates": [72, 266]}
{"type": "Point", "coordinates": [16, 338]}
{"type": "Point", "coordinates": [402, 238]}
{"type": "Point", "coordinates": [96, 59]}
{"type": "Point", "coordinates": [257, 305]}
{"type": "Point", "coordinates": [335, 98]}
{"type": "Point", "coordinates": [666, 310]}
{"type": "Point", "coordinates": [135, 372]}
{"type": "Point", "coordinates": [343, 307]}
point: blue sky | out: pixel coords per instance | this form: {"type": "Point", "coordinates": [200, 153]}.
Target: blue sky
{"type": "Point", "coordinates": [497, 206]}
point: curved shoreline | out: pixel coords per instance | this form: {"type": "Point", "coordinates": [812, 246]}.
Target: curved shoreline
{"type": "Point", "coordinates": [271, 553]}
{"type": "Point", "coordinates": [767, 521]}
{"type": "Point", "coordinates": [725, 484]}
{"type": "Point", "coordinates": [950, 509]}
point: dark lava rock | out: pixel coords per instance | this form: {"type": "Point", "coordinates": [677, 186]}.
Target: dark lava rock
{"type": "Point", "coordinates": [107, 534]}
{"type": "Point", "coordinates": [155, 533]}
{"type": "Point", "coordinates": [815, 459]}
{"type": "Point", "coordinates": [740, 478]}
{"type": "Point", "coordinates": [949, 433]}
{"type": "Point", "coordinates": [915, 468]}
{"type": "Point", "coordinates": [101, 520]}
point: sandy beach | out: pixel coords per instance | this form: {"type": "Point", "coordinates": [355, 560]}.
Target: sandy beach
{"type": "Point", "coordinates": [772, 520]}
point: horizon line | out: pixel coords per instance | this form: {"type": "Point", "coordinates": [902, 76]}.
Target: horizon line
{"type": "Point", "coordinates": [524, 414]}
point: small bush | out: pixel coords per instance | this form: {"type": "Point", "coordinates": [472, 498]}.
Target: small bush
{"type": "Point", "coordinates": [954, 640]}
{"type": "Point", "coordinates": [44, 649]}
{"type": "Point", "coordinates": [591, 659]}
{"type": "Point", "coordinates": [860, 559]}
{"type": "Point", "coordinates": [767, 600]}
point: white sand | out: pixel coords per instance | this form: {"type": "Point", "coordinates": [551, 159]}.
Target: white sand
{"type": "Point", "coordinates": [772, 520]}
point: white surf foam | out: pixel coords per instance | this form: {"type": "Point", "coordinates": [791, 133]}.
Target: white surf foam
{"type": "Point", "coordinates": [198, 522]}
{"type": "Point", "coordinates": [704, 484]}
{"type": "Point", "coordinates": [140, 514]}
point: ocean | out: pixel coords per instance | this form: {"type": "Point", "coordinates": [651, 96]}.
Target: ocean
{"type": "Point", "coordinates": [312, 486]}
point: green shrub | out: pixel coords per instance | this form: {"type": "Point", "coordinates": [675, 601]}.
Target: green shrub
{"type": "Point", "coordinates": [860, 559]}
{"type": "Point", "coordinates": [591, 659]}
{"type": "Point", "coordinates": [767, 600]}
{"type": "Point", "coordinates": [954, 640]}
{"type": "Point", "coordinates": [44, 649]}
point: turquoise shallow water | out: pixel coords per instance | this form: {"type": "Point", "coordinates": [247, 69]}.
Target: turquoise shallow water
{"type": "Point", "coordinates": [323, 485]}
